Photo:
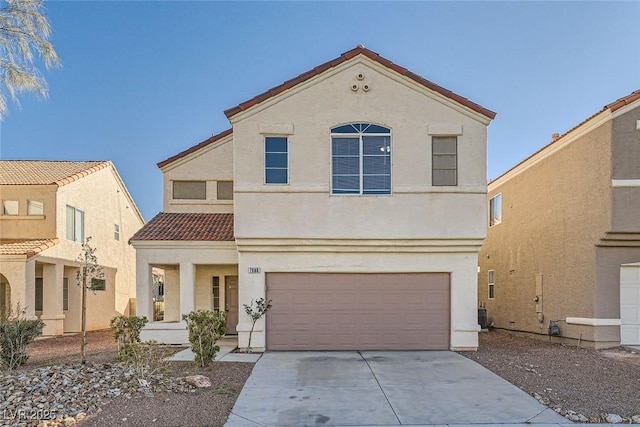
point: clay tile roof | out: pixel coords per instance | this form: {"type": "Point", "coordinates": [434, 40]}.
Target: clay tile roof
{"type": "Point", "coordinates": [46, 172]}
{"type": "Point", "coordinates": [626, 100]}
{"type": "Point", "coordinates": [188, 226]}
{"type": "Point", "coordinates": [25, 247]}
{"type": "Point", "coordinates": [196, 147]}
{"type": "Point", "coordinates": [358, 50]}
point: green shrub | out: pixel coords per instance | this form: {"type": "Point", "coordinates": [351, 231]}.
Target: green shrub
{"type": "Point", "coordinates": [205, 329]}
{"type": "Point", "coordinates": [126, 330]}
{"type": "Point", "coordinates": [147, 358]}
{"type": "Point", "coordinates": [16, 333]}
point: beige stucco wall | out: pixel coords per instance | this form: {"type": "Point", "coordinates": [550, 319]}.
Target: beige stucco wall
{"type": "Point", "coordinates": [305, 207]}
{"type": "Point", "coordinates": [25, 226]}
{"type": "Point", "coordinates": [553, 213]}
{"type": "Point", "coordinates": [211, 164]}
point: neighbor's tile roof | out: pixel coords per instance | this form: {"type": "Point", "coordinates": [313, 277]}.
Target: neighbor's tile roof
{"type": "Point", "coordinates": [196, 147]}
{"type": "Point", "coordinates": [625, 100]}
{"type": "Point", "coordinates": [43, 172]}
{"type": "Point", "coordinates": [359, 50]}
{"type": "Point", "coordinates": [25, 247]}
{"type": "Point", "coordinates": [188, 226]}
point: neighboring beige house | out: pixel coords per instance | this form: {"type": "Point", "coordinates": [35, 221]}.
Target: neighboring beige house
{"type": "Point", "coordinates": [353, 196]}
{"type": "Point", "coordinates": [564, 234]}
{"type": "Point", "coordinates": [48, 209]}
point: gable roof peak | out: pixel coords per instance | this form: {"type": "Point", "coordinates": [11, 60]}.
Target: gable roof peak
{"type": "Point", "coordinates": [350, 54]}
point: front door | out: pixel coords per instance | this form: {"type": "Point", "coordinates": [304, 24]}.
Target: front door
{"type": "Point", "coordinates": [231, 302]}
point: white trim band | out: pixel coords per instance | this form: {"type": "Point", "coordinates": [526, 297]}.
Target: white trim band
{"type": "Point", "coordinates": [589, 321]}
{"type": "Point", "coordinates": [625, 182]}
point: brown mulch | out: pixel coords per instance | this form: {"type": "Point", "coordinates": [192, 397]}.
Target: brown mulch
{"type": "Point", "coordinates": [586, 381]}
{"type": "Point", "coordinates": [202, 407]}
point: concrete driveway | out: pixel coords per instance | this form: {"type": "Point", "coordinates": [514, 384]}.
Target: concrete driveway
{"type": "Point", "coordinates": [380, 388]}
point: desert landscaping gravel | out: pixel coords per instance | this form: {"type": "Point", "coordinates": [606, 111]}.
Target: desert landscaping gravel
{"type": "Point", "coordinates": [582, 384]}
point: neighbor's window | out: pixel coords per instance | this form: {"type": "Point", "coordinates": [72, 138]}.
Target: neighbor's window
{"type": "Point", "coordinates": [98, 284]}
{"type": "Point", "coordinates": [35, 207]}
{"type": "Point", "coordinates": [38, 302]}
{"type": "Point", "coordinates": [495, 210]}
{"type": "Point", "coordinates": [360, 159]}
{"type": "Point", "coordinates": [492, 285]}
{"type": "Point", "coordinates": [276, 160]}
{"type": "Point", "coordinates": [65, 293]}
{"type": "Point", "coordinates": [9, 207]}
{"type": "Point", "coordinates": [225, 190]}
{"type": "Point", "coordinates": [215, 292]}
{"type": "Point", "coordinates": [116, 231]}
{"type": "Point", "coordinates": [75, 224]}
{"type": "Point", "coordinates": [190, 190]}
{"type": "Point", "coordinates": [444, 160]}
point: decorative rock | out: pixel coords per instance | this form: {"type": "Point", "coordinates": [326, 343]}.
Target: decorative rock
{"type": "Point", "coordinates": [613, 419]}
{"type": "Point", "coordinates": [636, 419]}
{"type": "Point", "coordinates": [198, 381]}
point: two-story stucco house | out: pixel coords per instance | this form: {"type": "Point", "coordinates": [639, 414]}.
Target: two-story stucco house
{"type": "Point", "coordinates": [48, 209]}
{"type": "Point", "coordinates": [564, 234]}
{"type": "Point", "coordinates": [353, 196]}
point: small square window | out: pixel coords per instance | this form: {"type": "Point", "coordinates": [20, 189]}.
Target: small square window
{"type": "Point", "coordinates": [35, 207]}
{"type": "Point", "coordinates": [9, 207]}
{"type": "Point", "coordinates": [225, 190]}
{"type": "Point", "coordinates": [116, 231]}
{"type": "Point", "coordinates": [98, 284]}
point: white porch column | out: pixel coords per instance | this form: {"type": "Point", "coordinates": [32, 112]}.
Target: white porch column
{"type": "Point", "coordinates": [144, 289]}
{"type": "Point", "coordinates": [187, 288]}
{"type": "Point", "coordinates": [52, 312]}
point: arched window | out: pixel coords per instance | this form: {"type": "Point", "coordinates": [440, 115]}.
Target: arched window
{"type": "Point", "coordinates": [360, 159]}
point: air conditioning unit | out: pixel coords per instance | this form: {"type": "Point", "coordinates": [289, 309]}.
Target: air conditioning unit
{"type": "Point", "coordinates": [482, 318]}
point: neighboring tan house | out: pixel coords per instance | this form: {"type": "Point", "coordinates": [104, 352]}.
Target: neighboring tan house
{"type": "Point", "coordinates": [48, 209]}
{"type": "Point", "coordinates": [353, 196]}
{"type": "Point", "coordinates": [564, 234]}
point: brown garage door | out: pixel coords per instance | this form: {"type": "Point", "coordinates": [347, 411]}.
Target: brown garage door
{"type": "Point", "coordinates": [313, 311]}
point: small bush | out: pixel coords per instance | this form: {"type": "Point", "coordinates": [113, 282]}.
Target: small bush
{"type": "Point", "coordinates": [16, 333]}
{"type": "Point", "coordinates": [126, 330]}
{"type": "Point", "coordinates": [205, 329]}
{"type": "Point", "coordinates": [147, 358]}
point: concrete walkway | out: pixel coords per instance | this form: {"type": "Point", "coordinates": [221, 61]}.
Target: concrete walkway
{"type": "Point", "coordinates": [226, 354]}
{"type": "Point", "coordinates": [381, 389]}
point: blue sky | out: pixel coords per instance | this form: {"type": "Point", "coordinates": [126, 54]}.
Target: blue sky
{"type": "Point", "coordinates": [142, 81]}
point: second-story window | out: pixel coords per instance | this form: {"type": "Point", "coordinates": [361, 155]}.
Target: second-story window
{"type": "Point", "coordinates": [190, 190]}
{"type": "Point", "coordinates": [276, 160]}
{"type": "Point", "coordinates": [225, 190]}
{"type": "Point", "coordinates": [75, 224]}
{"type": "Point", "coordinates": [444, 160]}
{"type": "Point", "coordinates": [495, 210]}
{"type": "Point", "coordinates": [9, 207]}
{"type": "Point", "coordinates": [360, 159]}
{"type": "Point", "coordinates": [35, 207]}
{"type": "Point", "coordinates": [116, 231]}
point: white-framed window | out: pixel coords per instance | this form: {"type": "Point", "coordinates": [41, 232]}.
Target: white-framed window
{"type": "Point", "coordinates": [190, 190]}
{"type": "Point", "coordinates": [360, 159]}
{"type": "Point", "coordinates": [276, 160]}
{"type": "Point", "coordinates": [35, 207]}
{"type": "Point", "coordinates": [9, 207]}
{"type": "Point", "coordinates": [98, 284]}
{"type": "Point", "coordinates": [215, 293]}
{"type": "Point", "coordinates": [116, 231]}
{"type": "Point", "coordinates": [444, 160]}
{"type": "Point", "coordinates": [495, 210]}
{"type": "Point", "coordinates": [65, 293]}
{"type": "Point", "coordinates": [75, 224]}
{"type": "Point", "coordinates": [492, 284]}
